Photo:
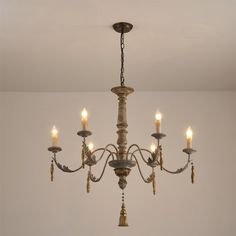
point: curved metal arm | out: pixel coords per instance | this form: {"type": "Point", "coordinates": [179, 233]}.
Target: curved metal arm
{"type": "Point", "coordinates": [180, 170]}
{"type": "Point", "coordinates": [66, 169]}
{"type": "Point", "coordinates": [149, 179]}
{"type": "Point", "coordinates": [137, 150]}
{"type": "Point", "coordinates": [63, 167]}
{"type": "Point", "coordinates": [93, 178]}
{"type": "Point", "coordinates": [104, 150]}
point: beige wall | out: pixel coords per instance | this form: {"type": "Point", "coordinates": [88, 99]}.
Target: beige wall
{"type": "Point", "coordinates": [1, 165]}
{"type": "Point", "coordinates": [33, 206]}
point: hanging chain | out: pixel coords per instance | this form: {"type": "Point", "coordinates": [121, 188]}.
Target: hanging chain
{"type": "Point", "coordinates": [122, 45]}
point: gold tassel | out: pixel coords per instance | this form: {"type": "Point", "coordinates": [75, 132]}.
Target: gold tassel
{"type": "Point", "coordinates": [161, 159]}
{"type": "Point", "coordinates": [192, 174]}
{"type": "Point", "coordinates": [123, 216]}
{"type": "Point", "coordinates": [52, 171]}
{"type": "Point", "coordinates": [154, 183]}
{"type": "Point", "coordinates": [88, 182]}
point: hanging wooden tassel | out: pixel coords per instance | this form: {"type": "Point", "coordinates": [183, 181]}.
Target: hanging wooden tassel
{"type": "Point", "coordinates": [161, 159]}
{"type": "Point", "coordinates": [52, 171]}
{"type": "Point", "coordinates": [83, 157]}
{"type": "Point", "coordinates": [154, 183]}
{"type": "Point", "coordinates": [123, 221]}
{"type": "Point", "coordinates": [192, 174]}
{"type": "Point", "coordinates": [88, 182]}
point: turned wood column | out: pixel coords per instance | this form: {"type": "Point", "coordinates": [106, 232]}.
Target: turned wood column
{"type": "Point", "coordinates": [122, 92]}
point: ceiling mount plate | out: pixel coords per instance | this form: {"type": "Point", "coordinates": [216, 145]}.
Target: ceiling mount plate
{"type": "Point", "coordinates": [122, 27]}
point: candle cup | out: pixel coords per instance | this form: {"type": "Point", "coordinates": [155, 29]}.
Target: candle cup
{"type": "Point", "coordinates": [54, 149]}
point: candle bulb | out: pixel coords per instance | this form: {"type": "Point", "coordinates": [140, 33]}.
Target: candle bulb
{"type": "Point", "coordinates": [153, 148]}
{"type": "Point", "coordinates": [54, 136]}
{"type": "Point", "coordinates": [84, 119]}
{"type": "Point", "coordinates": [189, 137]}
{"type": "Point", "coordinates": [91, 146]}
{"type": "Point", "coordinates": [158, 117]}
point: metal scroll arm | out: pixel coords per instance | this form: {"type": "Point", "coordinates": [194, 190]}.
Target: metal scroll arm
{"type": "Point", "coordinates": [63, 167]}
{"type": "Point", "coordinates": [151, 176]}
{"type": "Point", "coordinates": [156, 162]}
{"type": "Point", "coordinates": [104, 151]}
{"type": "Point", "coordinates": [137, 150]}
{"type": "Point", "coordinates": [180, 170]}
{"type": "Point", "coordinates": [95, 179]}
{"type": "Point", "coordinates": [66, 169]}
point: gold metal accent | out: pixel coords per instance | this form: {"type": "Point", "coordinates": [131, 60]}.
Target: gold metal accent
{"type": "Point", "coordinates": [123, 221]}
{"type": "Point", "coordinates": [52, 171]}
{"type": "Point", "coordinates": [122, 172]}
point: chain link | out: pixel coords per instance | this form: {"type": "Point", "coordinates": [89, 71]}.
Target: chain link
{"type": "Point", "coordinates": [122, 46]}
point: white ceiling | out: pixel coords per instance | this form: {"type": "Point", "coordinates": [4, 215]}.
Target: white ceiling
{"type": "Point", "coordinates": [69, 45]}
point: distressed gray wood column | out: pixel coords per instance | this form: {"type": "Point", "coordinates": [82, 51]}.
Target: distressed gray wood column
{"type": "Point", "coordinates": [122, 92]}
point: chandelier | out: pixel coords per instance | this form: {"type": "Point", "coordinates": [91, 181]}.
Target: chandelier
{"type": "Point", "coordinates": [120, 157]}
